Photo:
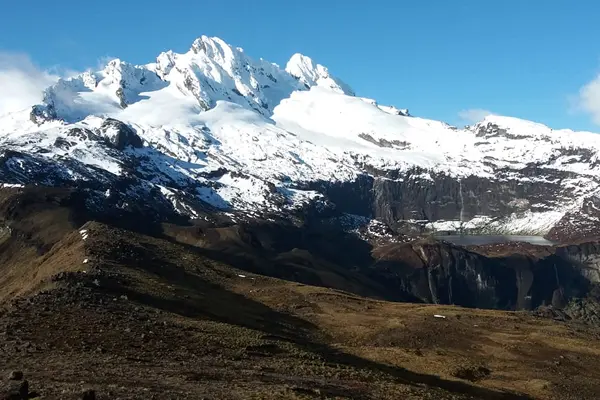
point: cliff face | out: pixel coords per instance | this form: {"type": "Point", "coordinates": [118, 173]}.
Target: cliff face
{"type": "Point", "coordinates": [422, 195]}
{"type": "Point", "coordinates": [445, 274]}
{"type": "Point", "coordinates": [510, 276]}
{"type": "Point", "coordinates": [585, 257]}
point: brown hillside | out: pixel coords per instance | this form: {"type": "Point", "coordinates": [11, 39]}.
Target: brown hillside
{"type": "Point", "coordinates": [168, 317]}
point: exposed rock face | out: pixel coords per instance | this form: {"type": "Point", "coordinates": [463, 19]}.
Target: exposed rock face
{"type": "Point", "coordinates": [315, 251]}
{"type": "Point", "coordinates": [445, 274]}
{"type": "Point", "coordinates": [421, 195]}
{"type": "Point", "coordinates": [84, 134]}
{"type": "Point", "coordinates": [585, 257]}
{"type": "Point", "coordinates": [42, 113]}
{"type": "Point", "coordinates": [120, 134]}
{"type": "Point", "coordinates": [121, 97]}
{"type": "Point", "coordinates": [578, 224]}
{"type": "Point", "coordinates": [516, 277]}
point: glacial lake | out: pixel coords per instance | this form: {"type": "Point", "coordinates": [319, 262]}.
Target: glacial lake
{"type": "Point", "coordinates": [470, 240]}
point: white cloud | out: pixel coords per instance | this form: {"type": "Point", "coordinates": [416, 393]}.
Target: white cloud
{"type": "Point", "coordinates": [21, 82]}
{"type": "Point", "coordinates": [103, 61]}
{"type": "Point", "coordinates": [474, 115]}
{"type": "Point", "coordinates": [588, 100]}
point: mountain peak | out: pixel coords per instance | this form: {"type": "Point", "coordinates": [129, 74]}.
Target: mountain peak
{"type": "Point", "coordinates": [311, 74]}
{"type": "Point", "coordinates": [211, 71]}
{"type": "Point", "coordinates": [211, 46]}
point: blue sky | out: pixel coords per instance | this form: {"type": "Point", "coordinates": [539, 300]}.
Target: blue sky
{"type": "Point", "coordinates": [524, 58]}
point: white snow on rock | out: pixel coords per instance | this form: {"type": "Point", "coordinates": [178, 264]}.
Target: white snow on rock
{"type": "Point", "coordinates": [310, 74]}
{"type": "Point", "coordinates": [247, 131]}
{"type": "Point", "coordinates": [523, 223]}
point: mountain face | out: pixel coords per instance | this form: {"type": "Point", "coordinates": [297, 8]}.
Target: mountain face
{"type": "Point", "coordinates": [216, 132]}
{"type": "Point", "coordinates": [271, 224]}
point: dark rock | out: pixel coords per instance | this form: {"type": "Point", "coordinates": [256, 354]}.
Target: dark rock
{"type": "Point", "coordinates": [419, 194]}
{"type": "Point", "coordinates": [88, 395]}
{"type": "Point", "coordinates": [16, 375]}
{"type": "Point", "coordinates": [42, 113]}
{"type": "Point", "coordinates": [471, 373]}
{"type": "Point", "coordinates": [558, 299]}
{"type": "Point", "coordinates": [442, 273]}
{"type": "Point", "coordinates": [84, 134]}
{"type": "Point", "coordinates": [124, 137]}
{"type": "Point", "coordinates": [16, 391]}
{"type": "Point", "coordinates": [198, 46]}
{"type": "Point", "coordinates": [272, 78]}
{"type": "Point", "coordinates": [578, 224]}
{"type": "Point", "coordinates": [121, 97]}
{"type": "Point", "coordinates": [492, 130]}
{"type": "Point", "coordinates": [62, 143]}
{"type": "Point", "coordinates": [383, 142]}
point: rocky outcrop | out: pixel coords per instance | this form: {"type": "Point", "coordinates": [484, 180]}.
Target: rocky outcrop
{"type": "Point", "coordinates": [42, 113]}
{"type": "Point", "coordinates": [121, 96]}
{"type": "Point", "coordinates": [84, 134]}
{"type": "Point", "coordinates": [120, 134]}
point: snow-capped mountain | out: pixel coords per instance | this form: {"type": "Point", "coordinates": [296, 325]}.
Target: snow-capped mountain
{"type": "Point", "coordinates": [216, 129]}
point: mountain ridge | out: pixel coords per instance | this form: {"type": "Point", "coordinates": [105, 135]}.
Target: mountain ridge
{"type": "Point", "coordinates": [215, 128]}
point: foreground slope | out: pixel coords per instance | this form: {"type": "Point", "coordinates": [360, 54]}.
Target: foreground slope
{"type": "Point", "coordinates": [214, 129]}
{"type": "Point", "coordinates": [155, 311]}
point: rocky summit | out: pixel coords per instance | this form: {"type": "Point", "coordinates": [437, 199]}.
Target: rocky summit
{"type": "Point", "coordinates": [212, 225]}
